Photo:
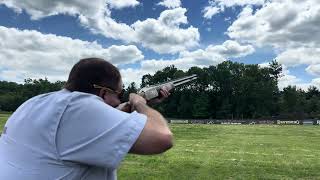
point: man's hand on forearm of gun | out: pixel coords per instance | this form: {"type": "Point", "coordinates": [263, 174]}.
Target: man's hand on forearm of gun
{"type": "Point", "coordinates": [163, 94]}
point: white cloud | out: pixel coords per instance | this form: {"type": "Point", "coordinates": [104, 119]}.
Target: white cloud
{"type": "Point", "coordinates": [11, 76]}
{"type": "Point", "coordinates": [231, 49]}
{"type": "Point", "coordinates": [119, 4]}
{"type": "Point", "coordinates": [210, 11]}
{"type": "Point", "coordinates": [130, 75]}
{"type": "Point", "coordinates": [231, 3]}
{"type": "Point", "coordinates": [218, 6]}
{"type": "Point", "coordinates": [264, 64]}
{"type": "Point", "coordinates": [110, 28]}
{"type": "Point", "coordinates": [314, 69]}
{"type": "Point", "coordinates": [298, 56]}
{"type": "Point", "coordinates": [173, 17]}
{"type": "Point", "coordinates": [291, 27]}
{"type": "Point", "coordinates": [170, 3]}
{"type": "Point", "coordinates": [296, 25]}
{"type": "Point", "coordinates": [163, 35]}
{"type": "Point", "coordinates": [30, 54]}
{"type": "Point", "coordinates": [291, 80]}
{"type": "Point", "coordinates": [42, 8]}
{"type": "Point", "coordinates": [287, 79]}
{"type": "Point", "coordinates": [155, 65]}
{"type": "Point", "coordinates": [122, 54]}
{"type": "Point", "coordinates": [212, 55]}
{"type": "Point", "coordinates": [94, 15]}
{"type": "Point", "coordinates": [316, 82]}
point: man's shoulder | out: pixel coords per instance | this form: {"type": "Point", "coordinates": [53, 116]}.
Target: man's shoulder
{"type": "Point", "coordinates": [80, 100]}
{"type": "Point", "coordinates": [74, 95]}
{"type": "Point", "coordinates": [81, 97]}
{"type": "Point", "coordinates": [64, 96]}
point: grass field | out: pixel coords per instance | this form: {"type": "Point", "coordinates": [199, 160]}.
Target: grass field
{"type": "Point", "coordinates": [230, 152]}
{"type": "Point", "coordinates": [3, 118]}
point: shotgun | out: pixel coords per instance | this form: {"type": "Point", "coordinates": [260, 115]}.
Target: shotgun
{"type": "Point", "coordinates": [151, 92]}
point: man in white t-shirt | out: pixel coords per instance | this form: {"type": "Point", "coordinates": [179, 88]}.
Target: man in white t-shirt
{"type": "Point", "coordinates": [78, 133]}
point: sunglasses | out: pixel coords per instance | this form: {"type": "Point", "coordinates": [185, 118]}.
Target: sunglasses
{"type": "Point", "coordinates": [118, 93]}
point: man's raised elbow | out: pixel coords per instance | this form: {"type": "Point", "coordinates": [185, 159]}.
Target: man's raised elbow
{"type": "Point", "coordinates": [167, 141]}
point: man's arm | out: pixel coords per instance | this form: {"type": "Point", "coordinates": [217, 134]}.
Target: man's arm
{"type": "Point", "coordinates": [156, 136]}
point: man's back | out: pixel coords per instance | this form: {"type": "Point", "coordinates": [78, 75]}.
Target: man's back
{"type": "Point", "coordinates": [37, 143]}
{"type": "Point", "coordinates": [27, 145]}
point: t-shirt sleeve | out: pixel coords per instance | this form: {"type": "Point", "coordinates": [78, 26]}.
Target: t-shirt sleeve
{"type": "Point", "coordinates": [92, 132]}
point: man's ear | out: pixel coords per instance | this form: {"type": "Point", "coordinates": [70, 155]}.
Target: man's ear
{"type": "Point", "coordinates": [102, 93]}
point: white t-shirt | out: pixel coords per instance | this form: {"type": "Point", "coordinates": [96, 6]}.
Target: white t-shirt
{"type": "Point", "coordinates": [67, 135]}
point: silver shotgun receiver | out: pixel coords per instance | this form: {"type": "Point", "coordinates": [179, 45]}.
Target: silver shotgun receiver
{"type": "Point", "coordinates": [151, 92]}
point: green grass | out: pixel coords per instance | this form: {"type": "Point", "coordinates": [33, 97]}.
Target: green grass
{"type": "Point", "coordinates": [230, 152]}
{"type": "Point", "coordinates": [3, 118]}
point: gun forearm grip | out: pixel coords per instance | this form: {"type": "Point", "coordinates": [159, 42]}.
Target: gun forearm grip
{"type": "Point", "coordinates": [150, 94]}
{"type": "Point", "coordinates": [154, 91]}
{"type": "Point", "coordinates": [168, 87]}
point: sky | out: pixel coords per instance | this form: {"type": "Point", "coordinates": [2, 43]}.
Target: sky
{"type": "Point", "coordinates": [45, 38]}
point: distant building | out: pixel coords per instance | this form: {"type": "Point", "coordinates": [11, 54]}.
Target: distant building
{"type": "Point", "coordinates": [307, 122]}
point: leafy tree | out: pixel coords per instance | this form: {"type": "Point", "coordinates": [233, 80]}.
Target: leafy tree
{"type": "Point", "coordinates": [12, 95]}
{"type": "Point", "coordinates": [132, 88]}
{"type": "Point", "coordinates": [200, 106]}
{"type": "Point", "coordinates": [275, 69]}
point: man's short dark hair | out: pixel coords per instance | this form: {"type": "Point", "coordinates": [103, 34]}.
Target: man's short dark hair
{"type": "Point", "coordinates": [91, 71]}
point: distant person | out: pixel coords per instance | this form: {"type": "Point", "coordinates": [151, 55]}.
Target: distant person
{"type": "Point", "coordinates": [77, 132]}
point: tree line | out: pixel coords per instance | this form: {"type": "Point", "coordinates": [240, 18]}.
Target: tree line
{"type": "Point", "coordinates": [12, 94]}
{"type": "Point", "coordinates": [229, 90]}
